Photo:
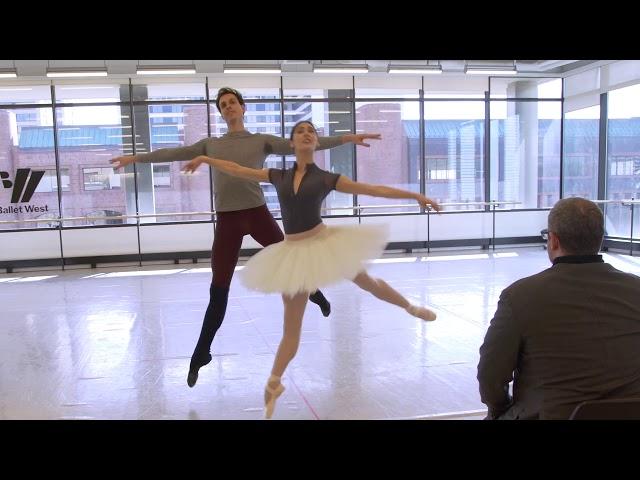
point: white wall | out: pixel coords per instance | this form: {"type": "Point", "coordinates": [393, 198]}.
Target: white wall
{"type": "Point", "coordinates": [88, 242]}
{"type": "Point", "coordinates": [176, 238]}
{"type": "Point", "coordinates": [103, 241]}
{"type": "Point", "coordinates": [29, 245]}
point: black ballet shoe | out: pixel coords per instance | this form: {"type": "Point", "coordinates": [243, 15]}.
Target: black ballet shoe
{"type": "Point", "coordinates": [192, 377]}
{"type": "Point", "coordinates": [319, 299]}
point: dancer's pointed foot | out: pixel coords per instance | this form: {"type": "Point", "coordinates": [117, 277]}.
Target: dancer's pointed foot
{"type": "Point", "coordinates": [319, 299]}
{"type": "Point", "coordinates": [421, 312]}
{"type": "Point", "coordinates": [194, 366]}
{"type": "Point", "coordinates": [272, 391]}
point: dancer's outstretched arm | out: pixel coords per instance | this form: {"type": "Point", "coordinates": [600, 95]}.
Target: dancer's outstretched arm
{"type": "Point", "coordinates": [162, 155]}
{"type": "Point", "coordinates": [283, 146]}
{"type": "Point", "coordinates": [347, 185]}
{"type": "Point", "coordinates": [232, 168]}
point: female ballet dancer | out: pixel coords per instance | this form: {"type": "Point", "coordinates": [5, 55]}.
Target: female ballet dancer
{"type": "Point", "coordinates": [313, 254]}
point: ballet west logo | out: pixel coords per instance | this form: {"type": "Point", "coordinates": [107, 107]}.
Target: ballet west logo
{"type": "Point", "coordinates": [23, 187]}
{"type": "Point", "coordinates": [19, 185]}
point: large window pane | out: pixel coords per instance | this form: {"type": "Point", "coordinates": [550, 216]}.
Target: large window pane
{"type": "Point", "coordinates": [581, 135]}
{"type": "Point", "coordinates": [394, 160]}
{"type": "Point", "coordinates": [88, 137]}
{"type": "Point", "coordinates": [525, 153]}
{"type": "Point", "coordinates": [623, 158]}
{"type": "Point", "coordinates": [162, 188]}
{"type": "Point", "coordinates": [27, 161]}
{"type": "Point", "coordinates": [454, 152]}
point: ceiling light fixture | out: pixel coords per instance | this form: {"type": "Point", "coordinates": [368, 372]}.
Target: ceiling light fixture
{"type": "Point", "coordinates": [491, 69]}
{"type": "Point", "coordinates": [252, 68]}
{"type": "Point", "coordinates": [8, 73]}
{"type": "Point", "coordinates": [166, 69]}
{"type": "Point", "coordinates": [76, 72]}
{"type": "Point", "coordinates": [340, 68]}
{"type": "Point", "coordinates": [415, 69]}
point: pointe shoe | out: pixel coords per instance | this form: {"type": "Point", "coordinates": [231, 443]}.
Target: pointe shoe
{"type": "Point", "coordinates": [421, 312]}
{"type": "Point", "coordinates": [275, 392]}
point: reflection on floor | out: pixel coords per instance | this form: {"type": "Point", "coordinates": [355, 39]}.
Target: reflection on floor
{"type": "Point", "coordinates": [114, 343]}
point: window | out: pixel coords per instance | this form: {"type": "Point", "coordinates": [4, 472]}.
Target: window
{"type": "Point", "coordinates": [26, 117]}
{"type": "Point", "coordinates": [49, 182]}
{"type": "Point", "coordinates": [525, 152]}
{"type": "Point", "coordinates": [26, 142]}
{"type": "Point", "coordinates": [621, 166]}
{"type": "Point", "coordinates": [623, 157]}
{"type": "Point", "coordinates": [581, 136]}
{"type": "Point", "coordinates": [160, 190]}
{"type": "Point", "coordinates": [391, 161]}
{"type": "Point", "coordinates": [161, 175]}
{"type": "Point", "coordinates": [98, 178]}
{"type": "Point", "coordinates": [454, 151]}
{"type": "Point", "coordinates": [437, 168]}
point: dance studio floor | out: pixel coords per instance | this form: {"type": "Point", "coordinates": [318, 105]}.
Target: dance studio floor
{"type": "Point", "coordinates": [114, 343]}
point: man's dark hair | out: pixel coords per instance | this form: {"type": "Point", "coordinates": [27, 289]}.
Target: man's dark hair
{"type": "Point", "coordinates": [579, 224]}
{"type": "Point", "coordinates": [232, 91]}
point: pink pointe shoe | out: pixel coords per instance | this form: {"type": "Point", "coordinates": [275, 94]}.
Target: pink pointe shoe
{"type": "Point", "coordinates": [274, 393]}
{"type": "Point", "coordinates": [421, 312]}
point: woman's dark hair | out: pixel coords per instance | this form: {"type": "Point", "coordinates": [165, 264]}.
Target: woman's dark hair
{"type": "Point", "coordinates": [300, 122]}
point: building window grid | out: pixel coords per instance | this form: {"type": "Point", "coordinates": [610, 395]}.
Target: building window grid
{"type": "Point", "coordinates": [618, 166]}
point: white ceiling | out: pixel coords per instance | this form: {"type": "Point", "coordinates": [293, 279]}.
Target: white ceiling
{"type": "Point", "coordinates": [38, 68]}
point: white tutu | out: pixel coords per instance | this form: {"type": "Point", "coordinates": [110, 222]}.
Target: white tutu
{"type": "Point", "coordinates": [334, 253]}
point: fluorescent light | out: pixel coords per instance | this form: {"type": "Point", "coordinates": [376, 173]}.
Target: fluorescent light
{"type": "Point", "coordinates": [166, 70]}
{"type": "Point", "coordinates": [88, 88]}
{"type": "Point", "coordinates": [488, 70]}
{"type": "Point", "coordinates": [415, 69]}
{"type": "Point", "coordinates": [491, 72]}
{"type": "Point", "coordinates": [8, 73]}
{"type": "Point", "coordinates": [257, 68]}
{"type": "Point", "coordinates": [340, 68]}
{"type": "Point", "coordinates": [70, 72]}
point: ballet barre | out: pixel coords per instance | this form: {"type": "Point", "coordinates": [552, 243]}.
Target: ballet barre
{"type": "Point", "coordinates": [359, 208]}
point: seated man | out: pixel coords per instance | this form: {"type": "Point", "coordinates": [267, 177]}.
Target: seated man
{"type": "Point", "coordinates": [567, 334]}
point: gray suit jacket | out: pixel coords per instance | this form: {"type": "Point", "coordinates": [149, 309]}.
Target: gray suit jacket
{"type": "Point", "coordinates": [565, 335]}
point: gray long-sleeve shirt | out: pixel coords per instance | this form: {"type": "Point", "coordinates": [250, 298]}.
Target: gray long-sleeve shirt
{"type": "Point", "coordinates": [244, 148]}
